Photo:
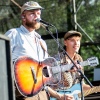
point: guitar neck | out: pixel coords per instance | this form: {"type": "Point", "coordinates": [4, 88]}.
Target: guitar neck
{"type": "Point", "coordinates": [84, 63]}
{"type": "Point", "coordinates": [66, 67]}
{"type": "Point", "coordinates": [90, 91]}
{"type": "Point", "coordinates": [61, 68]}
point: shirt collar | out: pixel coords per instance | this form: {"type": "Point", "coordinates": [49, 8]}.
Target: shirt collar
{"type": "Point", "coordinates": [27, 32]}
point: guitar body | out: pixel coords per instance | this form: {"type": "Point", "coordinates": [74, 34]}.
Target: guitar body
{"type": "Point", "coordinates": [31, 76]}
{"type": "Point", "coordinates": [74, 90]}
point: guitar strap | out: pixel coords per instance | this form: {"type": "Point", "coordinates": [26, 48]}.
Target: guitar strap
{"type": "Point", "coordinates": [45, 87]}
{"type": "Point", "coordinates": [44, 48]}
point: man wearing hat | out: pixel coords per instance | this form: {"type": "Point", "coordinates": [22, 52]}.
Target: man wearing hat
{"type": "Point", "coordinates": [25, 41]}
{"type": "Point", "coordinates": [72, 41]}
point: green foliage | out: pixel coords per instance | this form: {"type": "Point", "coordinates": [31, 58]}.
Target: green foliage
{"type": "Point", "coordinates": [89, 20]}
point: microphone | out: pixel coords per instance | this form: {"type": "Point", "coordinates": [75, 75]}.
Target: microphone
{"type": "Point", "coordinates": [43, 22]}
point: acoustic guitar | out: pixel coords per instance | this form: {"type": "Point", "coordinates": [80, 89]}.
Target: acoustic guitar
{"type": "Point", "coordinates": [31, 76]}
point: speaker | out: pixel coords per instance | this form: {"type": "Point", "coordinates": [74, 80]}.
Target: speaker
{"type": "Point", "coordinates": [7, 91]}
{"type": "Point", "coordinates": [96, 74]}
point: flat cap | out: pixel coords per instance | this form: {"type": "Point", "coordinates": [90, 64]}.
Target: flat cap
{"type": "Point", "coordinates": [72, 33]}
{"type": "Point", "coordinates": [30, 5]}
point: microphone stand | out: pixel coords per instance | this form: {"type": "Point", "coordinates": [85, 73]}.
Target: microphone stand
{"type": "Point", "coordinates": [81, 74]}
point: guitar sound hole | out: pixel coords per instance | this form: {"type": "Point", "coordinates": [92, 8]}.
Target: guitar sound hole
{"type": "Point", "coordinates": [45, 72]}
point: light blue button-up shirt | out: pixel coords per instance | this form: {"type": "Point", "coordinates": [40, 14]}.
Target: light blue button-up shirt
{"type": "Point", "coordinates": [25, 43]}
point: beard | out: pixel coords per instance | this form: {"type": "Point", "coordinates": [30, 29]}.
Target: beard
{"type": "Point", "coordinates": [33, 25]}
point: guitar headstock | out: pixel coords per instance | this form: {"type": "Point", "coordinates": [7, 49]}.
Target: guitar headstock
{"type": "Point", "coordinates": [93, 61]}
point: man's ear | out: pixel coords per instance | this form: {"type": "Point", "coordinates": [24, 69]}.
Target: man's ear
{"type": "Point", "coordinates": [64, 42]}
{"type": "Point", "coordinates": [22, 17]}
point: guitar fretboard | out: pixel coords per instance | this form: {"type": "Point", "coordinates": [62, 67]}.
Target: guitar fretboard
{"type": "Point", "coordinates": [67, 67]}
